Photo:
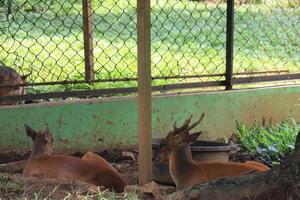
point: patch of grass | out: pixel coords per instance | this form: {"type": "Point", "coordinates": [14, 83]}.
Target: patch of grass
{"type": "Point", "coordinates": [37, 195]}
{"type": "Point", "coordinates": [11, 187]}
{"type": "Point", "coordinates": [8, 186]}
{"type": "Point", "coordinates": [188, 37]}
{"type": "Point", "coordinates": [274, 140]}
{"type": "Point", "coordinates": [103, 195]}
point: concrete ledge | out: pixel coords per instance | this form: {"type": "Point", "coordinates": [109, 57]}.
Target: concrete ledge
{"type": "Point", "coordinates": [110, 122]}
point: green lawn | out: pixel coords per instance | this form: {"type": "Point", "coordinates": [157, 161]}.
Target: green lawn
{"type": "Point", "coordinates": [188, 37]}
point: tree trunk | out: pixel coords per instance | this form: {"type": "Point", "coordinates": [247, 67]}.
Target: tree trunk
{"type": "Point", "coordinates": [282, 183]}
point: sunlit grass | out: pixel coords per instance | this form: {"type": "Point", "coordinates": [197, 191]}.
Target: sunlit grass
{"type": "Point", "coordinates": [188, 38]}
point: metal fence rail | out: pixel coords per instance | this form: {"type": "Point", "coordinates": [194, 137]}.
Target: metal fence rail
{"type": "Point", "coordinates": [89, 48]}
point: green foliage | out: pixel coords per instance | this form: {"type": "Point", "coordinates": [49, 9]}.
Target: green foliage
{"type": "Point", "coordinates": [271, 3]}
{"type": "Point", "coordinates": [37, 195]}
{"type": "Point", "coordinates": [103, 195]}
{"type": "Point", "coordinates": [275, 140]}
{"type": "Point", "coordinates": [282, 3]}
{"type": "Point", "coordinates": [10, 186]}
{"type": "Point", "coordinates": [188, 38]}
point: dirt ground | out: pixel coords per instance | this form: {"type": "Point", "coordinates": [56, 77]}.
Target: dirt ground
{"type": "Point", "coordinates": [125, 161]}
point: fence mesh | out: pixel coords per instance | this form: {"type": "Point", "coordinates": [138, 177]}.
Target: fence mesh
{"type": "Point", "coordinates": [43, 39]}
{"type": "Point", "coordinates": [115, 39]}
{"type": "Point", "coordinates": [188, 41]}
{"type": "Point", "coordinates": [267, 36]}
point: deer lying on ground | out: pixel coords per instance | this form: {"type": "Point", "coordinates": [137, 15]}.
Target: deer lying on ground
{"type": "Point", "coordinates": [9, 76]}
{"type": "Point", "coordinates": [90, 169]}
{"type": "Point", "coordinates": [185, 172]}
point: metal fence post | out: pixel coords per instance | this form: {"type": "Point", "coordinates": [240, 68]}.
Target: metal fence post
{"type": "Point", "coordinates": [88, 40]}
{"type": "Point", "coordinates": [144, 91]}
{"type": "Point", "coordinates": [229, 43]}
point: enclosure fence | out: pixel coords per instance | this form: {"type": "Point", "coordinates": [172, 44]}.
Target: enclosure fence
{"type": "Point", "coordinates": [74, 48]}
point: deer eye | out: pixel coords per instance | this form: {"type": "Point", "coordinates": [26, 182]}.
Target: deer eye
{"type": "Point", "coordinates": [162, 144]}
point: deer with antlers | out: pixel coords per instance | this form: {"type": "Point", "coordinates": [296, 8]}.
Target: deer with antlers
{"type": "Point", "coordinates": [185, 171]}
{"type": "Point", "coordinates": [91, 168]}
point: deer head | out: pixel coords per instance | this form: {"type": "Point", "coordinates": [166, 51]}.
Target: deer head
{"type": "Point", "coordinates": [23, 81]}
{"type": "Point", "coordinates": [42, 142]}
{"type": "Point", "coordinates": [10, 77]}
{"type": "Point", "coordinates": [178, 137]}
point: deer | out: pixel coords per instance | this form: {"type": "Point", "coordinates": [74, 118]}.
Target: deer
{"type": "Point", "coordinates": [185, 172]}
{"type": "Point", "coordinates": [10, 77]}
{"type": "Point", "coordinates": [91, 168]}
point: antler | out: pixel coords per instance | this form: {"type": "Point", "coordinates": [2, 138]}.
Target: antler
{"type": "Point", "coordinates": [185, 126]}
{"type": "Point", "coordinates": [196, 123]}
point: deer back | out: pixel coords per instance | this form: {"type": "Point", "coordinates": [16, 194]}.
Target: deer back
{"type": "Point", "coordinates": [72, 168]}
{"type": "Point", "coordinates": [199, 172]}
{"type": "Point", "coordinates": [102, 163]}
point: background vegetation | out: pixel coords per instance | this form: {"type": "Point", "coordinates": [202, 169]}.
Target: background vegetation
{"type": "Point", "coordinates": [45, 38]}
{"type": "Point", "coordinates": [274, 141]}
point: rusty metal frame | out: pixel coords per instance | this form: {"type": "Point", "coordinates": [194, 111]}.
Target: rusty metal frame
{"type": "Point", "coordinates": [257, 79]}
{"type": "Point", "coordinates": [135, 79]}
{"type": "Point", "coordinates": [128, 90]}
{"type": "Point", "coordinates": [88, 40]}
{"type": "Point", "coordinates": [229, 43]}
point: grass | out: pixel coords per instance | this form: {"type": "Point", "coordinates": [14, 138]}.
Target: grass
{"type": "Point", "coordinates": [14, 189]}
{"type": "Point", "coordinates": [276, 140]}
{"type": "Point", "coordinates": [104, 195]}
{"type": "Point", "coordinates": [8, 186]}
{"type": "Point", "coordinates": [188, 37]}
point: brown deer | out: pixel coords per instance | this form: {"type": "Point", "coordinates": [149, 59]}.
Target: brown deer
{"type": "Point", "coordinates": [90, 169]}
{"type": "Point", "coordinates": [9, 76]}
{"type": "Point", "coordinates": [185, 171]}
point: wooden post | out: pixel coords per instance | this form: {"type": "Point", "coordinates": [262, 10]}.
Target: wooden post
{"type": "Point", "coordinates": [88, 40]}
{"type": "Point", "coordinates": [144, 91]}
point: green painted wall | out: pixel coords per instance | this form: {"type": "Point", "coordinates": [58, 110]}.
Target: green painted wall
{"type": "Point", "coordinates": [103, 123]}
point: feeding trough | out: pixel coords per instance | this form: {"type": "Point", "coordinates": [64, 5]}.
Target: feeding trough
{"type": "Point", "coordinates": [201, 151]}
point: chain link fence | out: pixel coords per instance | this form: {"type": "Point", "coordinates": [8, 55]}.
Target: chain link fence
{"type": "Point", "coordinates": [87, 45]}
{"type": "Point", "coordinates": [267, 36]}
{"type": "Point", "coordinates": [188, 40]}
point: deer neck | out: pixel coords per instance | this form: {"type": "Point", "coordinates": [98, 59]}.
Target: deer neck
{"type": "Point", "coordinates": [38, 151]}
{"type": "Point", "coordinates": [180, 164]}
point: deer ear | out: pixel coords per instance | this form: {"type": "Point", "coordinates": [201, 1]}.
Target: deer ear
{"type": "Point", "coordinates": [24, 77]}
{"type": "Point", "coordinates": [47, 134]}
{"type": "Point", "coordinates": [187, 139]}
{"type": "Point", "coordinates": [30, 132]}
